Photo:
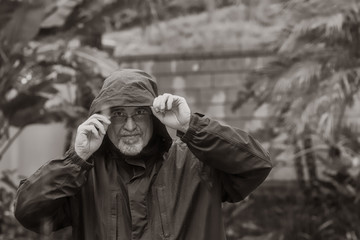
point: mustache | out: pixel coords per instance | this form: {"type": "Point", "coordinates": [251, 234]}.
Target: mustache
{"type": "Point", "coordinates": [124, 133]}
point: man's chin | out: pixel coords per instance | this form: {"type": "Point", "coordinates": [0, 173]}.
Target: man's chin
{"type": "Point", "coordinates": [130, 149]}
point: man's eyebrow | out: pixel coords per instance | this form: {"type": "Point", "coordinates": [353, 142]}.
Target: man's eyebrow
{"type": "Point", "coordinates": [113, 109]}
{"type": "Point", "coordinates": [123, 109]}
{"type": "Point", "coordinates": [143, 107]}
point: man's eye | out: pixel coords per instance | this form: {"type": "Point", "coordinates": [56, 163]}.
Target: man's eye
{"type": "Point", "coordinates": [118, 114]}
{"type": "Point", "coordinates": [141, 112]}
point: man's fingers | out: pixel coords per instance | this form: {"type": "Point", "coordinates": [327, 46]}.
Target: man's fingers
{"type": "Point", "coordinates": [102, 127]}
{"type": "Point", "coordinates": [157, 114]}
{"type": "Point", "coordinates": [90, 129]}
{"type": "Point", "coordinates": [100, 122]}
{"type": "Point", "coordinates": [99, 117]}
{"type": "Point", "coordinates": [163, 102]}
{"type": "Point", "coordinates": [169, 102]}
{"type": "Point", "coordinates": [156, 104]}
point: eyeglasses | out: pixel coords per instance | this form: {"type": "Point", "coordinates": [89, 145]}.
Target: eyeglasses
{"type": "Point", "coordinates": [121, 117]}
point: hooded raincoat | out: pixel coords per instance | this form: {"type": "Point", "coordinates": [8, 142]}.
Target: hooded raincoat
{"type": "Point", "coordinates": [172, 190]}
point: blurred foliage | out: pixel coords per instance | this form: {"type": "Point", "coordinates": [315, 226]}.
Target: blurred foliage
{"type": "Point", "coordinates": [9, 227]}
{"type": "Point", "coordinates": [48, 77]}
{"type": "Point", "coordinates": [279, 211]}
{"type": "Point", "coordinates": [312, 90]}
{"type": "Point", "coordinates": [246, 25]}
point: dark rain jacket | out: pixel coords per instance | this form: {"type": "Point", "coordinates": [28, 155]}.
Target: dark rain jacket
{"type": "Point", "coordinates": [176, 193]}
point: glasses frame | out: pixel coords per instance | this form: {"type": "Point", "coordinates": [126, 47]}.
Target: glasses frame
{"type": "Point", "coordinates": [139, 116]}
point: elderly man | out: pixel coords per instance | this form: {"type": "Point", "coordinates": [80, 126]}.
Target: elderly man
{"type": "Point", "coordinates": [126, 178]}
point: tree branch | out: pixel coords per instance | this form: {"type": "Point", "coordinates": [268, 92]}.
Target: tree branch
{"type": "Point", "coordinates": [10, 142]}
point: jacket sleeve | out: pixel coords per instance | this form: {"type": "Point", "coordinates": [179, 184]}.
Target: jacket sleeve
{"type": "Point", "coordinates": [42, 202]}
{"type": "Point", "coordinates": [240, 159]}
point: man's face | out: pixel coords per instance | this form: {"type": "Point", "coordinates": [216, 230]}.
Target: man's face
{"type": "Point", "coordinates": [131, 129]}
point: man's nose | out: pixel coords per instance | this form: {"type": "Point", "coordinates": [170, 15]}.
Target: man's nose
{"type": "Point", "coordinates": [130, 124]}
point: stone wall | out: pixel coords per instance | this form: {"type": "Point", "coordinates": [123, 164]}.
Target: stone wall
{"type": "Point", "coordinates": [210, 84]}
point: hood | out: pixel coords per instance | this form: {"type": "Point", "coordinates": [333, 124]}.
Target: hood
{"type": "Point", "coordinates": [127, 88]}
{"type": "Point", "coordinates": [130, 88]}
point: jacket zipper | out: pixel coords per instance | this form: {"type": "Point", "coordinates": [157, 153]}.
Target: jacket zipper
{"type": "Point", "coordinates": [163, 213]}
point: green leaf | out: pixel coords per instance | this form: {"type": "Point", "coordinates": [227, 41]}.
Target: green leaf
{"type": "Point", "coordinates": [24, 109]}
{"type": "Point", "coordinates": [42, 87]}
{"type": "Point", "coordinates": [68, 111]}
{"type": "Point", "coordinates": [91, 8]}
{"type": "Point", "coordinates": [49, 51]}
{"type": "Point", "coordinates": [4, 128]}
{"type": "Point", "coordinates": [7, 10]}
{"type": "Point", "coordinates": [24, 23]}
{"type": "Point", "coordinates": [97, 60]}
{"type": "Point", "coordinates": [58, 13]}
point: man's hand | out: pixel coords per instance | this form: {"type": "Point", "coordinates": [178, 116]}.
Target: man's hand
{"type": "Point", "coordinates": [173, 111]}
{"type": "Point", "coordinates": [90, 135]}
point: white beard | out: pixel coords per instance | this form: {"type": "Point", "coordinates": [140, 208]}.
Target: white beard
{"type": "Point", "coordinates": [130, 148]}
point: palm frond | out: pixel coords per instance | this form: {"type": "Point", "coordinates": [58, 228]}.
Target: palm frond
{"type": "Point", "coordinates": [324, 107]}
{"type": "Point", "coordinates": [317, 29]}
{"type": "Point", "coordinates": [327, 24]}
{"type": "Point", "coordinates": [312, 8]}
{"type": "Point", "coordinates": [316, 22]}
{"type": "Point", "coordinates": [299, 77]}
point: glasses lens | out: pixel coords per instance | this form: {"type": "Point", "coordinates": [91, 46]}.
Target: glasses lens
{"type": "Point", "coordinates": [139, 116]}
